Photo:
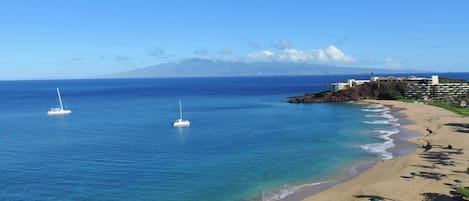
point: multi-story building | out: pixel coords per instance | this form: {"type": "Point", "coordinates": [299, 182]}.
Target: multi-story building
{"type": "Point", "coordinates": [418, 87]}
{"type": "Point", "coordinates": [436, 90]}
{"type": "Point", "coordinates": [350, 83]}
{"type": "Point", "coordinates": [411, 79]}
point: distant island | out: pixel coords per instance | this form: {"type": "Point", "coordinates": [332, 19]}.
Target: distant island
{"type": "Point", "coordinates": [197, 67]}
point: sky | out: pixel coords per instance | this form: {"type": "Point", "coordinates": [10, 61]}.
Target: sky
{"type": "Point", "coordinates": [85, 38]}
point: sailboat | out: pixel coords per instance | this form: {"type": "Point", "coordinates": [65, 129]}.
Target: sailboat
{"type": "Point", "coordinates": [61, 110]}
{"type": "Point", "coordinates": [180, 122]}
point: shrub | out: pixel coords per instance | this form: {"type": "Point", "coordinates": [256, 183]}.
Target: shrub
{"type": "Point", "coordinates": [391, 95]}
{"type": "Point", "coordinates": [463, 191]}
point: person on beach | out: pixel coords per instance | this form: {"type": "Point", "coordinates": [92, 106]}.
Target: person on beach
{"type": "Point", "coordinates": [429, 131]}
{"type": "Point", "coordinates": [428, 146]}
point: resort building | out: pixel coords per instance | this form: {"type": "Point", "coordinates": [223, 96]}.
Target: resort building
{"type": "Point", "coordinates": [352, 82]}
{"type": "Point", "coordinates": [417, 87]}
{"type": "Point", "coordinates": [344, 85]}
{"type": "Point", "coordinates": [438, 91]}
{"type": "Point", "coordinates": [412, 79]}
{"type": "Point", "coordinates": [429, 88]}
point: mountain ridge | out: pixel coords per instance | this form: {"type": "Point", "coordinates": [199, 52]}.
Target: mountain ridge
{"type": "Point", "coordinates": [197, 67]}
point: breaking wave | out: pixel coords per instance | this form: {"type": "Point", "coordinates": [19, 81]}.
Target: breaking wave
{"type": "Point", "coordinates": [384, 117]}
{"type": "Point", "coordinates": [285, 191]}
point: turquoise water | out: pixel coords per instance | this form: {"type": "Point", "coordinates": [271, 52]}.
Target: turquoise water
{"type": "Point", "coordinates": [118, 144]}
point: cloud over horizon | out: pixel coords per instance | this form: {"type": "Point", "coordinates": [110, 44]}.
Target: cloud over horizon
{"type": "Point", "coordinates": [282, 52]}
{"type": "Point", "coordinates": [329, 55]}
{"type": "Point", "coordinates": [261, 56]}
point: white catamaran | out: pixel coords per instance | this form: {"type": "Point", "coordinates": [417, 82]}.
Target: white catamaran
{"type": "Point", "coordinates": [59, 111]}
{"type": "Point", "coordinates": [180, 122]}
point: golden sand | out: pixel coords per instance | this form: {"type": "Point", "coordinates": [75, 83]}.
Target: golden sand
{"type": "Point", "coordinates": [436, 169]}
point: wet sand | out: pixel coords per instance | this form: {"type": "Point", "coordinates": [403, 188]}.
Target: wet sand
{"type": "Point", "coordinates": [437, 168]}
{"type": "Point", "coordinates": [402, 147]}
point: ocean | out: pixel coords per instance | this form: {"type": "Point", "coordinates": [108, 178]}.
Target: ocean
{"type": "Point", "coordinates": [245, 141]}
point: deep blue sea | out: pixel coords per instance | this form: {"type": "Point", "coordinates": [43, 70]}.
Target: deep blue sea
{"type": "Point", "coordinates": [118, 144]}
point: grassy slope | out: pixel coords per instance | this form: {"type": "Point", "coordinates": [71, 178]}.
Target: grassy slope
{"type": "Point", "coordinates": [451, 107]}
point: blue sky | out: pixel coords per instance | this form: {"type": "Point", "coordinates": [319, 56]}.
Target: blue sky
{"type": "Point", "coordinates": [64, 39]}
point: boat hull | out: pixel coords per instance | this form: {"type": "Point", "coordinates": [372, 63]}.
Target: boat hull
{"type": "Point", "coordinates": [183, 123]}
{"type": "Point", "coordinates": [59, 112]}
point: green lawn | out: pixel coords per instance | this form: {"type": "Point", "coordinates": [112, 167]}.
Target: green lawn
{"type": "Point", "coordinates": [451, 107]}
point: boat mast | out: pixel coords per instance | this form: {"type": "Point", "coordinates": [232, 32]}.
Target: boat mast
{"type": "Point", "coordinates": [180, 110]}
{"type": "Point", "coordinates": [60, 99]}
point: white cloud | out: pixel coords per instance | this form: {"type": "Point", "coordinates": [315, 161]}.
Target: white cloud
{"type": "Point", "coordinates": [261, 56]}
{"type": "Point", "coordinates": [330, 55]}
{"type": "Point", "coordinates": [295, 55]}
{"type": "Point", "coordinates": [321, 55]}
{"type": "Point", "coordinates": [393, 63]}
{"type": "Point", "coordinates": [337, 55]}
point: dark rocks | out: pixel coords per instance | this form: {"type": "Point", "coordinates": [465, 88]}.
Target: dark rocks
{"type": "Point", "coordinates": [374, 90]}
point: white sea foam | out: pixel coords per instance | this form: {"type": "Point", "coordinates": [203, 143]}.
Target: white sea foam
{"type": "Point", "coordinates": [385, 114]}
{"type": "Point", "coordinates": [285, 191]}
{"type": "Point", "coordinates": [384, 117]}
{"type": "Point", "coordinates": [376, 110]}
{"type": "Point", "coordinates": [380, 149]}
{"type": "Point", "coordinates": [374, 106]}
{"type": "Point", "coordinates": [385, 134]}
{"type": "Point", "coordinates": [387, 122]}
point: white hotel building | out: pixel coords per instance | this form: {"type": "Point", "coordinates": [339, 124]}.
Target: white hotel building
{"type": "Point", "coordinates": [418, 87]}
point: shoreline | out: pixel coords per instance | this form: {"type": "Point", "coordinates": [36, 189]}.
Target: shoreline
{"type": "Point", "coordinates": [402, 147]}
{"type": "Point", "coordinates": [389, 179]}
{"type": "Point", "coordinates": [402, 144]}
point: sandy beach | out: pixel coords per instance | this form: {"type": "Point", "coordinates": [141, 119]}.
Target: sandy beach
{"type": "Point", "coordinates": [434, 170]}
